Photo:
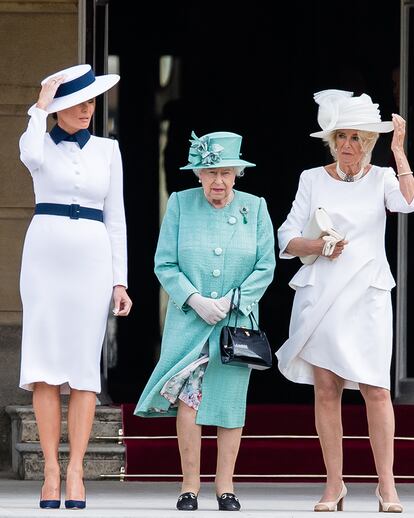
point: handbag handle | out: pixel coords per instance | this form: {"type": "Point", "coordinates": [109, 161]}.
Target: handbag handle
{"type": "Point", "coordinates": [232, 305]}
{"type": "Point", "coordinates": [237, 307]}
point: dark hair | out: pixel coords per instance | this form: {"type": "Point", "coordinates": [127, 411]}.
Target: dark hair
{"type": "Point", "coordinates": [54, 115]}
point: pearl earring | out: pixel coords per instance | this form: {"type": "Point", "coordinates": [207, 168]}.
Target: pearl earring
{"type": "Point", "coordinates": [199, 181]}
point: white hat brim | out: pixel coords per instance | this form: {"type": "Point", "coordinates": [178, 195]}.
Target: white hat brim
{"type": "Point", "coordinates": [377, 127]}
{"type": "Point", "coordinates": [99, 86]}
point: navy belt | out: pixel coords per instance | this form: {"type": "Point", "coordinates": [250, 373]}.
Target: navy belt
{"type": "Point", "coordinates": [71, 211]}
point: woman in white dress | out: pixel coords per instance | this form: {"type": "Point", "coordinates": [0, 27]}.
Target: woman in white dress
{"type": "Point", "coordinates": [340, 332]}
{"type": "Point", "coordinates": [74, 261]}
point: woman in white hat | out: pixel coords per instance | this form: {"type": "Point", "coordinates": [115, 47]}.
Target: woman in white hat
{"type": "Point", "coordinates": [74, 262]}
{"type": "Point", "coordinates": [213, 239]}
{"type": "Point", "coordinates": [341, 324]}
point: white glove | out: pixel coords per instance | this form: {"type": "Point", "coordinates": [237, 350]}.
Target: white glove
{"type": "Point", "coordinates": [329, 246]}
{"type": "Point", "coordinates": [331, 240]}
{"type": "Point", "coordinates": [210, 310]}
{"type": "Point", "coordinates": [224, 303]}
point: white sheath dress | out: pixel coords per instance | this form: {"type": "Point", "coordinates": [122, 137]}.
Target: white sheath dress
{"type": "Point", "coordinates": [69, 266]}
{"type": "Point", "coordinates": [342, 315]}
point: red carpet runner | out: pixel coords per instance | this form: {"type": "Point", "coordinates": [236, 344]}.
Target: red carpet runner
{"type": "Point", "coordinates": [263, 455]}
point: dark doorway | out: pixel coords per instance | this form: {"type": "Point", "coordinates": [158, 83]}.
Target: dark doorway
{"type": "Point", "coordinates": [238, 72]}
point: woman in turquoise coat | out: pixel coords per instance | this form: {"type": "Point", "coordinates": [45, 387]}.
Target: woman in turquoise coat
{"type": "Point", "coordinates": [212, 240]}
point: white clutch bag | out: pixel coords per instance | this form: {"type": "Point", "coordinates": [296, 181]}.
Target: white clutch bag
{"type": "Point", "coordinates": [318, 226]}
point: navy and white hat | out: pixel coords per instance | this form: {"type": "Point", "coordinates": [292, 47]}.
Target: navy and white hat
{"type": "Point", "coordinates": [80, 85]}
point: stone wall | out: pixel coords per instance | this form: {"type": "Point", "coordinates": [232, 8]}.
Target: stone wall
{"type": "Point", "coordinates": [36, 38]}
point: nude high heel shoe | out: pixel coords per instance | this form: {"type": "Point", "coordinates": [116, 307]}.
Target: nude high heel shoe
{"type": "Point", "coordinates": [387, 507]}
{"type": "Point", "coordinates": [338, 504]}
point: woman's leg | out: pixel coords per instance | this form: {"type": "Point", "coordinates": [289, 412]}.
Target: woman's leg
{"type": "Point", "coordinates": [228, 443]}
{"type": "Point", "coordinates": [189, 443]}
{"type": "Point", "coordinates": [81, 412]}
{"type": "Point", "coordinates": [328, 421]}
{"type": "Point", "coordinates": [46, 404]}
{"type": "Point", "coordinates": [381, 426]}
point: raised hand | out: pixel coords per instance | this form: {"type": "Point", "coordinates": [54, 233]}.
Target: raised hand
{"type": "Point", "coordinates": [397, 143]}
{"type": "Point", "coordinates": [48, 91]}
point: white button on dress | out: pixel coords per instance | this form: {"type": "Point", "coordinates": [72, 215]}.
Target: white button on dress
{"type": "Point", "coordinates": [232, 220]}
{"type": "Point", "coordinates": [218, 251]}
{"type": "Point", "coordinates": [216, 273]}
{"type": "Point", "coordinates": [214, 294]}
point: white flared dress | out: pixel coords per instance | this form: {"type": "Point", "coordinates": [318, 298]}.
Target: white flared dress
{"type": "Point", "coordinates": [342, 315]}
{"type": "Point", "coordinates": [69, 266]}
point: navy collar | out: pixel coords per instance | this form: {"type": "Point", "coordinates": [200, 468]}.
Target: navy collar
{"type": "Point", "coordinates": [58, 134]}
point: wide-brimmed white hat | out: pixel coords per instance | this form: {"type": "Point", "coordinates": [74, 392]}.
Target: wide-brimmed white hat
{"type": "Point", "coordinates": [338, 109]}
{"type": "Point", "coordinates": [80, 85]}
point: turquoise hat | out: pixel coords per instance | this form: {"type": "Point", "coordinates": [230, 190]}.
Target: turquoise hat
{"type": "Point", "coordinates": [218, 149]}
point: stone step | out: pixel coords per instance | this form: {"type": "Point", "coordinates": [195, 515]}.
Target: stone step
{"type": "Point", "coordinates": [105, 454]}
{"type": "Point", "coordinates": [107, 423]}
{"type": "Point", "coordinates": [100, 459]}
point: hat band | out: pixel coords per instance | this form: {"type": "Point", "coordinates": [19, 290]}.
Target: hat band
{"type": "Point", "coordinates": [75, 85]}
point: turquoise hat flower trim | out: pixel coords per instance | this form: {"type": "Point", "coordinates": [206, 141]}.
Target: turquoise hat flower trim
{"type": "Point", "coordinates": [204, 152]}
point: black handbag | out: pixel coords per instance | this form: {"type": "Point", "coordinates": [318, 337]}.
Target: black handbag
{"type": "Point", "coordinates": [244, 347]}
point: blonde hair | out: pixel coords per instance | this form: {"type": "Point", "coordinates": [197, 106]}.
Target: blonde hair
{"type": "Point", "coordinates": [368, 139]}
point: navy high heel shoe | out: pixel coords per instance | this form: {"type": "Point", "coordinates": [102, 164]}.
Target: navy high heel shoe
{"type": "Point", "coordinates": [75, 504]}
{"type": "Point", "coordinates": [49, 504]}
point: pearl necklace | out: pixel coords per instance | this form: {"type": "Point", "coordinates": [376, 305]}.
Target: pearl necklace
{"type": "Point", "coordinates": [349, 177]}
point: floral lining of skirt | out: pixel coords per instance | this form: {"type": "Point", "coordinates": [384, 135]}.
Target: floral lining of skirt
{"type": "Point", "coordinates": [186, 384]}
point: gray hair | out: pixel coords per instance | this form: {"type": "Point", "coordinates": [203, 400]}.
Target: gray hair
{"type": "Point", "coordinates": [368, 140]}
{"type": "Point", "coordinates": [238, 169]}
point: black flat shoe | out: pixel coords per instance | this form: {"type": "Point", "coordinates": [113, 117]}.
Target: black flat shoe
{"type": "Point", "coordinates": [228, 502]}
{"type": "Point", "coordinates": [187, 502]}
